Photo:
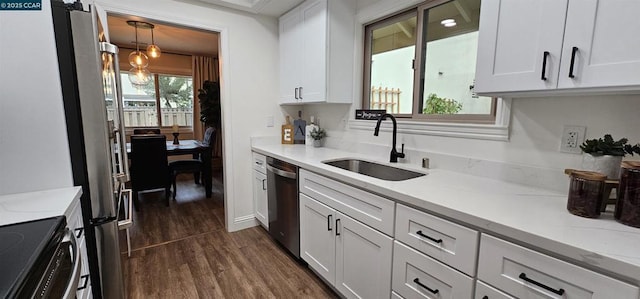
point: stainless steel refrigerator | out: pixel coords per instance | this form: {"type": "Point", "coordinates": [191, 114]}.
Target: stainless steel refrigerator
{"type": "Point", "coordinates": [92, 100]}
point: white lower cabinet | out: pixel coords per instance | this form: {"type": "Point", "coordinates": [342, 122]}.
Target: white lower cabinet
{"type": "Point", "coordinates": [75, 224]}
{"type": "Point", "coordinates": [524, 273]}
{"type": "Point", "coordinates": [317, 237]}
{"type": "Point", "coordinates": [260, 201]}
{"type": "Point", "coordinates": [416, 275]}
{"type": "Point", "coordinates": [349, 255]}
{"type": "Point", "coordinates": [484, 291]}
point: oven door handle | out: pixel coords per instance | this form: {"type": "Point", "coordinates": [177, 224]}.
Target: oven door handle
{"type": "Point", "coordinates": [286, 174]}
{"type": "Point", "coordinates": [72, 285]}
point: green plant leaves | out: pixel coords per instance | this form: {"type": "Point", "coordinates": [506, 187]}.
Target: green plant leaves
{"type": "Point", "coordinates": [608, 146]}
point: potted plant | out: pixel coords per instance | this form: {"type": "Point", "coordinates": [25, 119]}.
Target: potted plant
{"type": "Point", "coordinates": [605, 154]}
{"type": "Point", "coordinates": [211, 116]}
{"type": "Point", "coordinates": [210, 112]}
{"type": "Point", "coordinates": [318, 134]}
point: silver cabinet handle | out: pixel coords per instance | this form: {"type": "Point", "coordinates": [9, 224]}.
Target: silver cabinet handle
{"type": "Point", "coordinates": [300, 93]}
{"type": "Point", "coordinates": [295, 93]}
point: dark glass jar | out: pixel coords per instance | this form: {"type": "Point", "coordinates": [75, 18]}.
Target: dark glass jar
{"type": "Point", "coordinates": [628, 202]}
{"type": "Point", "coordinates": [585, 193]}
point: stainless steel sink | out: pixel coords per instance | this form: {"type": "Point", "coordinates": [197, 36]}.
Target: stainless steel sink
{"type": "Point", "coordinates": [380, 171]}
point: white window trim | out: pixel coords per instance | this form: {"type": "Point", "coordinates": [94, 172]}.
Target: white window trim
{"type": "Point", "coordinates": [498, 131]}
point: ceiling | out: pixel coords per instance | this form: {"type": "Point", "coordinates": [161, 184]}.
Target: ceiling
{"type": "Point", "coordinates": [181, 40]}
{"type": "Point", "coordinates": [170, 38]}
{"type": "Point", "coordinates": [274, 8]}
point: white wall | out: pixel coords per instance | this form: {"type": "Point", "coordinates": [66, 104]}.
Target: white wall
{"type": "Point", "coordinates": [34, 152]}
{"type": "Point", "coordinates": [249, 84]}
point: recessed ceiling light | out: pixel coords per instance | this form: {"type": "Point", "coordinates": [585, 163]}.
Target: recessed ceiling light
{"type": "Point", "coordinates": [450, 24]}
{"type": "Point", "coordinates": [447, 21]}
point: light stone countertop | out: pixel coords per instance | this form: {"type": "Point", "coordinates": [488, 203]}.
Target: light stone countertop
{"type": "Point", "coordinates": [532, 217]}
{"type": "Point", "coordinates": [21, 207]}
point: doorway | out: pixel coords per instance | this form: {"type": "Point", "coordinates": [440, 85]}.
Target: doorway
{"type": "Point", "coordinates": [169, 103]}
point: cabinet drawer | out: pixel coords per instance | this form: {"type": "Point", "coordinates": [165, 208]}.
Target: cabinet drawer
{"type": "Point", "coordinates": [524, 273]}
{"type": "Point", "coordinates": [416, 275]}
{"type": "Point", "coordinates": [450, 243]}
{"type": "Point", "coordinates": [370, 209]}
{"type": "Point", "coordinates": [259, 162]}
{"type": "Point", "coordinates": [484, 291]}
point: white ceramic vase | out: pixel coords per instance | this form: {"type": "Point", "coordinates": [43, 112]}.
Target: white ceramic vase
{"type": "Point", "coordinates": [607, 165]}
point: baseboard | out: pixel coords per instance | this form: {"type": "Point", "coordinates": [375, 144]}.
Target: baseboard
{"type": "Point", "coordinates": [243, 222]}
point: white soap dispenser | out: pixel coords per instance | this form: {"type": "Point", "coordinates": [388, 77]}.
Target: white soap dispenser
{"type": "Point", "coordinates": [308, 129]}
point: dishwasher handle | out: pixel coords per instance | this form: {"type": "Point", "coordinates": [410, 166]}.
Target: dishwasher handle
{"type": "Point", "coordinates": [280, 172]}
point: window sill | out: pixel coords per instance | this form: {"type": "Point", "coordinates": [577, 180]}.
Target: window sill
{"type": "Point", "coordinates": [498, 131]}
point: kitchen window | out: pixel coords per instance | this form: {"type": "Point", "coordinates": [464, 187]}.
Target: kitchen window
{"type": "Point", "coordinates": [420, 64]}
{"type": "Point", "coordinates": [165, 101]}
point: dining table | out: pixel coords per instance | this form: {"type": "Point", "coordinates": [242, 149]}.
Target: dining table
{"type": "Point", "coordinates": [195, 148]}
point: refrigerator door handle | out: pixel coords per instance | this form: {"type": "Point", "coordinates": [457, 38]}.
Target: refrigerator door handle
{"type": "Point", "coordinates": [124, 175]}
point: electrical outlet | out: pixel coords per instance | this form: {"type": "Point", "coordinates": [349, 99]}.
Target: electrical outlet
{"type": "Point", "coordinates": [572, 138]}
{"type": "Point", "coordinates": [269, 121]}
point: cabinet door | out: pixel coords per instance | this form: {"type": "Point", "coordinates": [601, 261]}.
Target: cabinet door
{"type": "Point", "coordinates": [314, 51]}
{"type": "Point", "coordinates": [513, 39]}
{"type": "Point", "coordinates": [363, 260]}
{"type": "Point", "coordinates": [260, 198]}
{"type": "Point", "coordinates": [605, 33]}
{"type": "Point", "coordinates": [317, 237]}
{"type": "Point", "coordinates": [290, 55]}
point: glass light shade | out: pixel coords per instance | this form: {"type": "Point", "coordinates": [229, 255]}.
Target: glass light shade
{"type": "Point", "coordinates": [139, 76]}
{"type": "Point", "coordinates": [138, 59]}
{"type": "Point", "coordinates": [153, 51]}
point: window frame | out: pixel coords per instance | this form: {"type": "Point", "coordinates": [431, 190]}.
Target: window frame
{"type": "Point", "coordinates": [155, 77]}
{"type": "Point", "coordinates": [418, 70]}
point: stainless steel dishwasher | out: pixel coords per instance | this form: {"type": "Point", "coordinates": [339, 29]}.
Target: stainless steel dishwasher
{"type": "Point", "coordinates": [282, 193]}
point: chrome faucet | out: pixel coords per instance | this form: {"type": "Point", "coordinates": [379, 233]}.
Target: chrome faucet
{"type": "Point", "coordinates": [394, 154]}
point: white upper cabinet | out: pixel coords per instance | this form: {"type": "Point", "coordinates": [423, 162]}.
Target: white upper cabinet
{"type": "Point", "coordinates": [558, 46]}
{"type": "Point", "coordinates": [317, 52]}
{"type": "Point", "coordinates": [606, 35]}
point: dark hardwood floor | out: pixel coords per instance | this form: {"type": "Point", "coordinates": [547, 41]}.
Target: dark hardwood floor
{"type": "Point", "coordinates": [184, 251]}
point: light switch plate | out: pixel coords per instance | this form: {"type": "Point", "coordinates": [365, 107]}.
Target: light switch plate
{"type": "Point", "coordinates": [269, 121]}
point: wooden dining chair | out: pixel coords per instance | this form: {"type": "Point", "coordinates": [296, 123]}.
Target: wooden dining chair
{"type": "Point", "coordinates": [149, 166]}
{"type": "Point", "coordinates": [146, 131]}
{"type": "Point", "coordinates": [194, 165]}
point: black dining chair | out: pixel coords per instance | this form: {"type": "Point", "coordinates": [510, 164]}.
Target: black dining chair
{"type": "Point", "coordinates": [149, 166]}
{"type": "Point", "coordinates": [146, 131]}
{"type": "Point", "coordinates": [194, 165]}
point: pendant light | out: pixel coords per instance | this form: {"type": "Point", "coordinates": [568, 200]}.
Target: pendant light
{"type": "Point", "coordinates": [137, 58]}
{"type": "Point", "coordinates": [139, 76]}
{"type": "Point", "coordinates": [153, 50]}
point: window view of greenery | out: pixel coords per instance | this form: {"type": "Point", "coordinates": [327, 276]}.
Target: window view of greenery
{"type": "Point", "coordinates": [172, 94]}
{"type": "Point", "coordinates": [443, 73]}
